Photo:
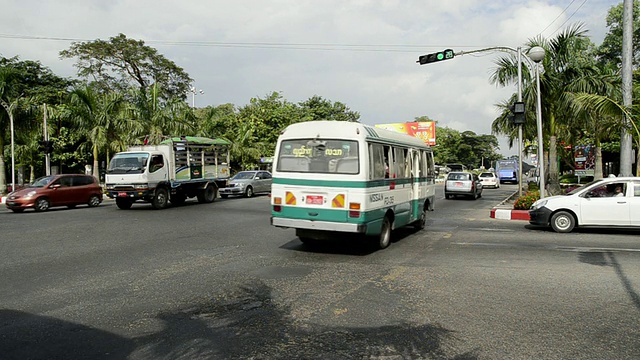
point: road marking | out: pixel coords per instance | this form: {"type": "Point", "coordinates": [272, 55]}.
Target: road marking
{"type": "Point", "coordinates": [560, 248]}
{"type": "Point", "coordinates": [593, 249]}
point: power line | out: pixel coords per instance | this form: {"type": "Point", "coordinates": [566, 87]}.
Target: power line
{"type": "Point", "coordinates": [554, 20]}
{"type": "Point", "coordinates": [569, 18]}
{"type": "Point", "coordinates": [268, 45]}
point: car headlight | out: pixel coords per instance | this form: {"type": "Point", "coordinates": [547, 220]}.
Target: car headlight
{"type": "Point", "coordinates": [30, 194]}
{"type": "Point", "coordinates": [538, 204]}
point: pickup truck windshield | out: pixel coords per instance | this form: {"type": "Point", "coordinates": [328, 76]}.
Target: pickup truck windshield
{"type": "Point", "coordinates": [128, 163]}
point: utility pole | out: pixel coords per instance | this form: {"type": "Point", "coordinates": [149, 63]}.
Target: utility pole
{"type": "Point", "coordinates": [47, 158]}
{"type": "Point", "coordinates": [627, 78]}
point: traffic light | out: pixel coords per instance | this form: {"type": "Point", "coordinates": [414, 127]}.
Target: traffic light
{"type": "Point", "coordinates": [517, 113]}
{"type": "Point", "coordinates": [439, 56]}
{"type": "Point", "coordinates": [46, 146]}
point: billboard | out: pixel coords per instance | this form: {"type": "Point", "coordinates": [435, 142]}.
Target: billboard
{"type": "Point", "coordinates": [424, 130]}
{"type": "Point", "coordinates": [585, 160]}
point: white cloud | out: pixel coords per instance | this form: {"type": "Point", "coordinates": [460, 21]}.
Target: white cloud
{"type": "Point", "coordinates": [367, 62]}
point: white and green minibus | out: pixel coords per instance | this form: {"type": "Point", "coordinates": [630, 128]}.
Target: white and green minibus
{"type": "Point", "coordinates": [333, 177]}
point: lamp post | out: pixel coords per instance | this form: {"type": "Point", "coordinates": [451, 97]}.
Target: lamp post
{"type": "Point", "coordinates": [536, 54]}
{"type": "Point", "coordinates": [194, 92]}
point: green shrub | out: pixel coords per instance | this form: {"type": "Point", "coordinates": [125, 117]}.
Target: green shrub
{"type": "Point", "coordinates": [532, 186]}
{"type": "Point", "coordinates": [525, 201]}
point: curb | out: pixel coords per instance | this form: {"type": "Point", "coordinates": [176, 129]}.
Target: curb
{"type": "Point", "coordinates": [505, 212]}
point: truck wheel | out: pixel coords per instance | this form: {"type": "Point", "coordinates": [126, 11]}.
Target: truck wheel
{"type": "Point", "coordinates": [124, 204]}
{"type": "Point", "coordinates": [208, 195]}
{"type": "Point", "coordinates": [161, 200]}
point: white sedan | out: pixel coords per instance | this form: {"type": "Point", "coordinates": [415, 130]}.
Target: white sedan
{"type": "Point", "coordinates": [489, 179]}
{"type": "Point", "coordinates": [609, 202]}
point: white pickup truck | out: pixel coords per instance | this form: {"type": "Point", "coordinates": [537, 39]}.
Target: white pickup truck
{"type": "Point", "coordinates": [174, 170]}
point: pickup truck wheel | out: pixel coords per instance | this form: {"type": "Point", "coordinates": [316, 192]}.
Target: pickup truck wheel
{"type": "Point", "coordinates": [208, 195]}
{"type": "Point", "coordinates": [123, 204]}
{"type": "Point", "coordinates": [161, 200]}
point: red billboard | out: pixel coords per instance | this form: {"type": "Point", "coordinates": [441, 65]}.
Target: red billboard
{"type": "Point", "coordinates": [424, 130]}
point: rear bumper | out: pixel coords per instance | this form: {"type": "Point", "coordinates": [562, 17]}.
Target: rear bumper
{"type": "Point", "coordinates": [318, 225]}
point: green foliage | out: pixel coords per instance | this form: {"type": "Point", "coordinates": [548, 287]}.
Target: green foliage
{"type": "Point", "coordinates": [533, 186]}
{"type": "Point", "coordinates": [132, 63]}
{"type": "Point", "coordinates": [525, 201]}
{"type": "Point", "coordinates": [465, 148]}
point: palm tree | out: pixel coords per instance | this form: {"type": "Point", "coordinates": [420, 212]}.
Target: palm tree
{"type": "Point", "coordinates": [160, 118]}
{"type": "Point", "coordinates": [9, 98]}
{"type": "Point", "coordinates": [97, 115]}
{"type": "Point", "coordinates": [563, 64]}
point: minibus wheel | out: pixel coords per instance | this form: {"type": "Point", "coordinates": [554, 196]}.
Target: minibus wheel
{"type": "Point", "coordinates": [385, 233]}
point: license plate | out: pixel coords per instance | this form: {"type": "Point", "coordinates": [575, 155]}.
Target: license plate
{"type": "Point", "coordinates": [315, 200]}
{"type": "Point", "coordinates": [10, 203]}
{"type": "Point", "coordinates": [458, 184]}
{"type": "Point", "coordinates": [122, 194]}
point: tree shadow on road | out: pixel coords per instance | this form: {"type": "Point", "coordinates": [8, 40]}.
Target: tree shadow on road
{"type": "Point", "coordinates": [29, 336]}
{"type": "Point", "coordinates": [248, 325]}
{"type": "Point", "coordinates": [608, 258]}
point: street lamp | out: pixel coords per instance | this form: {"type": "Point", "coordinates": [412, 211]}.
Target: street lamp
{"type": "Point", "coordinates": [194, 92]}
{"type": "Point", "coordinates": [536, 54]}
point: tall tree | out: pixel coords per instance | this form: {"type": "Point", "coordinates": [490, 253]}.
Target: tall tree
{"type": "Point", "coordinates": [317, 108]}
{"type": "Point", "coordinates": [610, 51]}
{"type": "Point", "coordinates": [121, 62]}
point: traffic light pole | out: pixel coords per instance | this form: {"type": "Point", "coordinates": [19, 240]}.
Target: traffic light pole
{"type": "Point", "coordinates": [518, 51]}
{"type": "Point", "coordinates": [47, 159]}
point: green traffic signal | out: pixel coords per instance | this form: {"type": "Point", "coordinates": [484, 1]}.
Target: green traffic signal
{"type": "Point", "coordinates": [439, 56]}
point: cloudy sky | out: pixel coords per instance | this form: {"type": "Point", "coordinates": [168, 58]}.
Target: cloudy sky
{"type": "Point", "coordinates": [359, 52]}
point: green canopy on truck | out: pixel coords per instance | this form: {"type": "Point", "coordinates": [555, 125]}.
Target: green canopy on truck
{"type": "Point", "coordinates": [196, 140]}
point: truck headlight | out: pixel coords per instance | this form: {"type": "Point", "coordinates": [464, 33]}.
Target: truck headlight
{"type": "Point", "coordinates": [140, 186]}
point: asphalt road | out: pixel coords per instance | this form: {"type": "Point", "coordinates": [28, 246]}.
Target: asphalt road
{"type": "Point", "coordinates": [216, 281]}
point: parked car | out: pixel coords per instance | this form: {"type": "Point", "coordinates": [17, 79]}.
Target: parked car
{"type": "Point", "coordinates": [247, 183]}
{"type": "Point", "coordinates": [462, 183]}
{"type": "Point", "coordinates": [56, 190]}
{"type": "Point", "coordinates": [489, 179]}
{"type": "Point", "coordinates": [609, 202]}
